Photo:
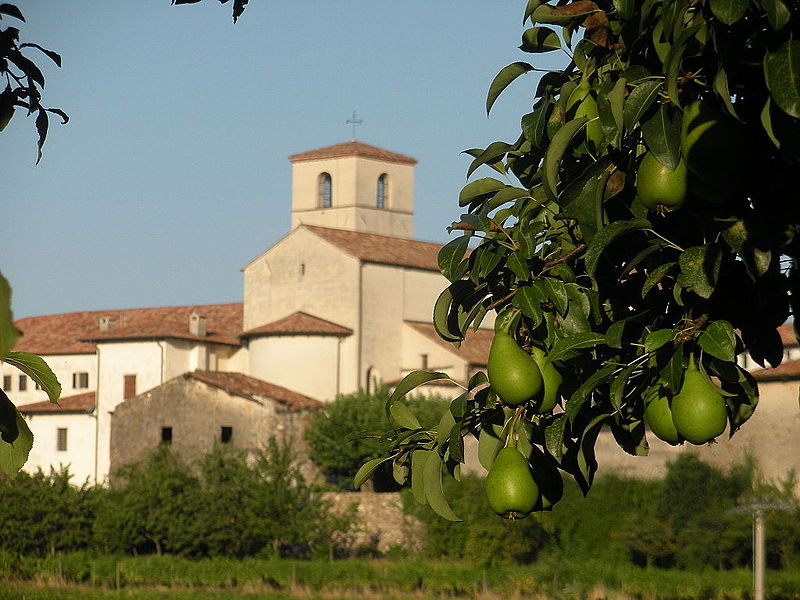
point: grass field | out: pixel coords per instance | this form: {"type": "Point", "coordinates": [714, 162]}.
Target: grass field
{"type": "Point", "coordinates": [75, 576]}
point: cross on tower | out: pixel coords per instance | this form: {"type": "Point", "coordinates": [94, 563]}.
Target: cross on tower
{"type": "Point", "coordinates": [353, 121]}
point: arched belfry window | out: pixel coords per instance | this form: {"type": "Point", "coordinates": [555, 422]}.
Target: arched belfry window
{"type": "Point", "coordinates": [383, 191]}
{"type": "Point", "coordinates": [325, 192]}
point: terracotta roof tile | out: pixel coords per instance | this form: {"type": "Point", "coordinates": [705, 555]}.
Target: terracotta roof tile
{"type": "Point", "coordinates": [474, 349]}
{"type": "Point", "coordinates": [786, 332]}
{"type": "Point", "coordinates": [299, 323]}
{"type": "Point", "coordinates": [74, 333]}
{"type": "Point", "coordinates": [252, 388]}
{"type": "Point", "coordinates": [78, 403]}
{"type": "Point", "coordinates": [353, 149]}
{"type": "Point", "coordinates": [382, 249]}
{"type": "Point", "coordinates": [787, 370]}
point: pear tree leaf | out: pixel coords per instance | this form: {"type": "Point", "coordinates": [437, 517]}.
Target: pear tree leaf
{"type": "Point", "coordinates": [577, 341]}
{"type": "Point", "coordinates": [38, 370]}
{"type": "Point", "coordinates": [530, 7]}
{"type": "Point", "coordinates": [729, 11]}
{"type": "Point", "coordinates": [443, 320]}
{"type": "Point", "coordinates": [656, 275]}
{"type": "Point", "coordinates": [662, 134]}
{"type": "Point", "coordinates": [583, 198]}
{"type": "Point", "coordinates": [778, 14]}
{"type": "Point", "coordinates": [555, 151]}
{"type": "Point", "coordinates": [403, 416]}
{"type": "Point", "coordinates": [445, 427]}
{"type": "Point", "coordinates": [581, 395]}
{"type": "Point", "coordinates": [480, 187]}
{"type": "Point", "coordinates": [607, 235]}
{"type": "Point", "coordinates": [655, 339]}
{"type": "Point", "coordinates": [529, 299]}
{"type": "Point", "coordinates": [782, 72]}
{"type": "Point", "coordinates": [540, 39]}
{"type": "Point", "coordinates": [699, 269]}
{"type": "Point", "coordinates": [434, 494]}
{"type": "Point", "coordinates": [639, 100]}
{"type": "Point", "coordinates": [418, 458]}
{"type": "Point", "coordinates": [503, 79]}
{"type": "Point", "coordinates": [534, 124]}
{"type": "Point", "coordinates": [557, 294]}
{"type": "Point", "coordinates": [8, 331]}
{"type": "Point", "coordinates": [554, 437]}
{"type": "Point", "coordinates": [491, 155]}
{"type": "Point", "coordinates": [673, 63]}
{"type": "Point", "coordinates": [8, 419]}
{"type": "Point", "coordinates": [367, 469]}
{"type": "Point", "coordinates": [414, 380]}
{"type": "Point", "coordinates": [451, 256]}
{"type": "Point", "coordinates": [719, 340]}
{"type": "Point", "coordinates": [13, 456]}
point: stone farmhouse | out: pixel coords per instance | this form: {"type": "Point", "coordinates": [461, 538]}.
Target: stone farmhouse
{"type": "Point", "coordinates": [343, 301]}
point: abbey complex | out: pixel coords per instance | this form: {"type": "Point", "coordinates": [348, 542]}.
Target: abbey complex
{"type": "Point", "coordinates": [342, 302]}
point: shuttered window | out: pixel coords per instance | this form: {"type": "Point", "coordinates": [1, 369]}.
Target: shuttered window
{"type": "Point", "coordinates": [129, 389]}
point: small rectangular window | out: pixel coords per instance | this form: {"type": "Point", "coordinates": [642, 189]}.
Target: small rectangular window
{"type": "Point", "coordinates": [36, 385]}
{"type": "Point", "coordinates": [61, 439]}
{"type": "Point", "coordinates": [129, 389]}
{"type": "Point", "coordinates": [226, 434]}
{"type": "Point", "coordinates": [424, 361]}
{"type": "Point", "coordinates": [7, 383]}
{"type": "Point", "coordinates": [23, 383]}
{"type": "Point", "coordinates": [80, 380]}
{"type": "Point", "coordinates": [166, 435]}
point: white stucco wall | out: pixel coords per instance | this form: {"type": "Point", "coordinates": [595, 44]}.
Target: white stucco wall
{"type": "Point", "coordinates": [80, 452]}
{"type": "Point", "coordinates": [439, 358]}
{"type": "Point", "coordinates": [117, 359]}
{"type": "Point", "coordinates": [63, 365]}
{"type": "Point", "coordinates": [302, 363]}
{"type": "Point", "coordinates": [302, 272]}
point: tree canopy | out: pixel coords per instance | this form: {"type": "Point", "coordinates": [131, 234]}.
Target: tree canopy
{"type": "Point", "coordinates": [649, 193]}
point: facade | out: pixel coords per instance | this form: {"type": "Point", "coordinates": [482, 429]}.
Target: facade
{"type": "Point", "coordinates": [341, 302]}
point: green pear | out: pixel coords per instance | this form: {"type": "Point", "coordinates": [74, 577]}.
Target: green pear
{"type": "Point", "coordinates": [660, 188]}
{"type": "Point", "coordinates": [513, 374]}
{"type": "Point", "coordinates": [698, 409]}
{"type": "Point", "coordinates": [658, 416]}
{"type": "Point", "coordinates": [510, 487]}
{"type": "Point", "coordinates": [551, 378]}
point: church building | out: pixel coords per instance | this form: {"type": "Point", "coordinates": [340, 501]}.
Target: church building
{"type": "Point", "coordinates": [342, 302]}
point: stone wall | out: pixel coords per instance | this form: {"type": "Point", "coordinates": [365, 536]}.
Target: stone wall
{"type": "Point", "coordinates": [381, 524]}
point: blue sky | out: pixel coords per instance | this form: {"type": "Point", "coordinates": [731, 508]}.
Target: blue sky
{"type": "Point", "coordinates": [172, 172]}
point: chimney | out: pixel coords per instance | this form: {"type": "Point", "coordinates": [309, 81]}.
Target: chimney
{"type": "Point", "coordinates": [197, 325]}
{"type": "Point", "coordinates": [106, 323]}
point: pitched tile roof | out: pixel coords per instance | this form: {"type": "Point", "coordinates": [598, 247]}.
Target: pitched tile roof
{"type": "Point", "coordinates": [74, 333]}
{"type": "Point", "coordinates": [382, 249]}
{"type": "Point", "coordinates": [255, 389]}
{"type": "Point", "coordinates": [786, 371]}
{"type": "Point", "coordinates": [80, 403]}
{"type": "Point", "coordinates": [299, 323]}
{"type": "Point", "coordinates": [353, 149]}
{"type": "Point", "coordinates": [474, 349]}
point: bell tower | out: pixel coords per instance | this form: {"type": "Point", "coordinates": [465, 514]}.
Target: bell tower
{"type": "Point", "coordinates": [354, 186]}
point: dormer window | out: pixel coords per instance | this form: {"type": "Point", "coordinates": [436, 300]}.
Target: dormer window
{"type": "Point", "coordinates": [383, 191]}
{"type": "Point", "coordinates": [325, 192]}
